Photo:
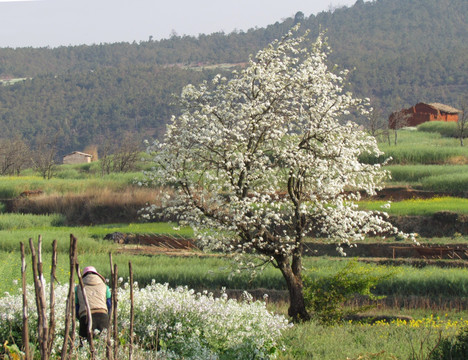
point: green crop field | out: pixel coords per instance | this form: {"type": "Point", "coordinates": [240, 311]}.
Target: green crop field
{"type": "Point", "coordinates": [421, 147]}
{"type": "Point", "coordinates": [418, 206]}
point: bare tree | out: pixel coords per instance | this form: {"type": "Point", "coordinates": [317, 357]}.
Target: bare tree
{"type": "Point", "coordinates": [128, 153]}
{"type": "Point", "coordinates": [120, 155]}
{"type": "Point", "coordinates": [398, 120]}
{"type": "Point", "coordinates": [105, 156]}
{"type": "Point", "coordinates": [14, 156]}
{"type": "Point", "coordinates": [462, 124]}
{"type": "Point", "coordinates": [45, 155]}
{"type": "Point", "coordinates": [376, 124]}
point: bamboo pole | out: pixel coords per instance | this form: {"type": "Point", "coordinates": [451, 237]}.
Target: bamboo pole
{"type": "Point", "coordinates": [40, 270]}
{"type": "Point", "coordinates": [51, 334]}
{"type": "Point", "coordinates": [42, 297]}
{"type": "Point", "coordinates": [89, 318]}
{"type": "Point", "coordinates": [109, 355]}
{"type": "Point", "coordinates": [114, 306]}
{"type": "Point", "coordinates": [25, 334]}
{"type": "Point", "coordinates": [70, 308]}
{"type": "Point", "coordinates": [34, 268]}
{"type": "Point", "coordinates": [43, 331]}
{"type": "Point", "coordinates": [132, 315]}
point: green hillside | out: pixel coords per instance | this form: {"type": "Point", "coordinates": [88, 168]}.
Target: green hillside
{"type": "Point", "coordinates": [400, 52]}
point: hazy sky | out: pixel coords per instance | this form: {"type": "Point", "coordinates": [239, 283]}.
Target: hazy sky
{"type": "Point", "coordinates": [72, 22]}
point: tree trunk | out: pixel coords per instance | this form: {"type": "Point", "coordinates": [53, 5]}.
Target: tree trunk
{"type": "Point", "coordinates": [297, 310]}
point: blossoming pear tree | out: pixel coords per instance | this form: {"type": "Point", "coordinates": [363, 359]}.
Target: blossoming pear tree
{"type": "Point", "coordinates": [263, 159]}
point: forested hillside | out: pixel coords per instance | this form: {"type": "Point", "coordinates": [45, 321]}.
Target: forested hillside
{"type": "Point", "coordinates": [400, 52]}
{"type": "Point", "coordinates": [83, 107]}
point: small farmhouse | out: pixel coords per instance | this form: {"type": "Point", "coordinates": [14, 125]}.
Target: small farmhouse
{"type": "Point", "coordinates": [77, 157]}
{"type": "Point", "coordinates": [421, 113]}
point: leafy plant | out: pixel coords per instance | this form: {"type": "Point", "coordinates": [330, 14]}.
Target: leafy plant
{"type": "Point", "coordinates": [12, 351]}
{"type": "Point", "coordinates": [326, 297]}
{"type": "Point", "coordinates": [453, 349]}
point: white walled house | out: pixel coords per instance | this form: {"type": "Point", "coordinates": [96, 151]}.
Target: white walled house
{"type": "Point", "coordinates": [77, 157]}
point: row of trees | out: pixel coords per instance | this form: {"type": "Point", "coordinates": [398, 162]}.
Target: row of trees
{"type": "Point", "coordinates": [116, 154]}
{"type": "Point", "coordinates": [16, 155]}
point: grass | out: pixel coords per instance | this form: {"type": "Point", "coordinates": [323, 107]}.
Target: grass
{"type": "Point", "coordinates": [383, 341]}
{"type": "Point", "coordinates": [418, 153]}
{"type": "Point", "coordinates": [19, 228]}
{"type": "Point", "coordinates": [419, 206]}
{"type": "Point", "coordinates": [446, 129]}
{"type": "Point", "coordinates": [213, 272]}
{"type": "Point", "coordinates": [25, 221]}
{"type": "Point", "coordinates": [447, 183]}
{"type": "Point", "coordinates": [142, 228]}
{"type": "Point", "coordinates": [405, 280]}
{"type": "Point", "coordinates": [417, 147]}
{"type": "Point", "coordinates": [417, 173]}
{"type": "Point", "coordinates": [13, 186]}
{"type": "Point", "coordinates": [451, 179]}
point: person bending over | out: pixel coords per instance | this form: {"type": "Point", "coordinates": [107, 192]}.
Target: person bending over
{"type": "Point", "coordinates": [98, 295]}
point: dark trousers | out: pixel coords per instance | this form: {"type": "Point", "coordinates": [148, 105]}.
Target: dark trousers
{"type": "Point", "coordinates": [100, 322]}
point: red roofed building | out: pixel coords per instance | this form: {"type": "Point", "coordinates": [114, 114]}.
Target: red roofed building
{"type": "Point", "coordinates": [421, 113]}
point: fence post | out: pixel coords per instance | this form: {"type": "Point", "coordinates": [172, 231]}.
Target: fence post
{"type": "Point", "coordinates": [132, 316]}
{"type": "Point", "coordinates": [70, 308]}
{"type": "Point", "coordinates": [114, 306]}
{"type": "Point", "coordinates": [109, 329]}
{"type": "Point", "coordinates": [51, 334]}
{"type": "Point", "coordinates": [25, 334]}
{"type": "Point", "coordinates": [43, 331]}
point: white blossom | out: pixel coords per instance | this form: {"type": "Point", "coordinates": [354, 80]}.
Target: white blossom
{"type": "Point", "coordinates": [270, 156]}
{"type": "Point", "coordinates": [191, 325]}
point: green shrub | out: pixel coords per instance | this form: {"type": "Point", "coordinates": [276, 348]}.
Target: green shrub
{"type": "Point", "coordinates": [456, 349]}
{"type": "Point", "coordinates": [325, 297]}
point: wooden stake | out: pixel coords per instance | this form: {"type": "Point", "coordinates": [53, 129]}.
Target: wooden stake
{"type": "Point", "coordinates": [114, 306]}
{"type": "Point", "coordinates": [89, 318]}
{"type": "Point", "coordinates": [25, 335]}
{"type": "Point", "coordinates": [51, 334]}
{"type": "Point", "coordinates": [43, 331]}
{"type": "Point", "coordinates": [109, 355]}
{"type": "Point", "coordinates": [132, 316]}
{"type": "Point", "coordinates": [70, 307]}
